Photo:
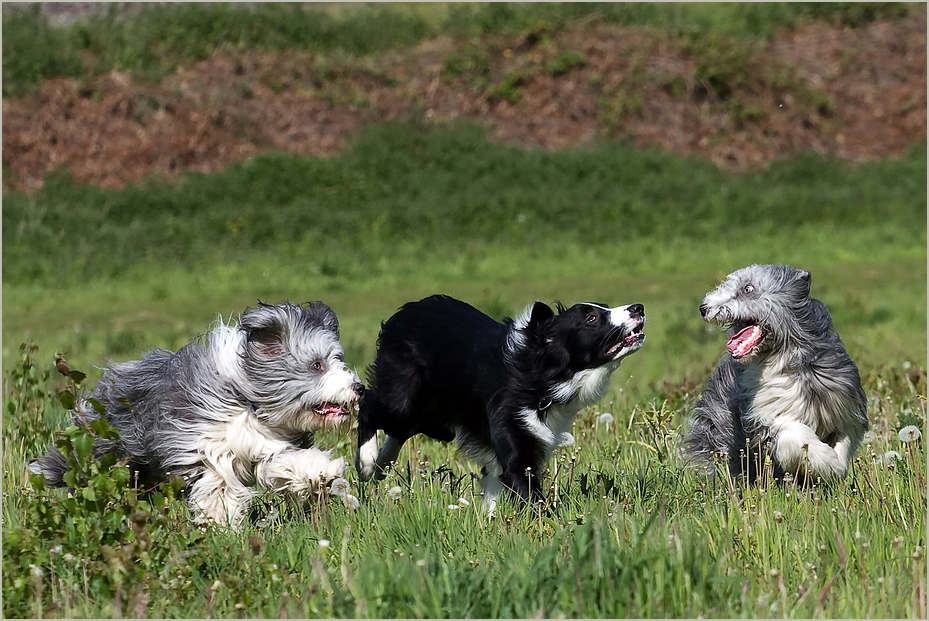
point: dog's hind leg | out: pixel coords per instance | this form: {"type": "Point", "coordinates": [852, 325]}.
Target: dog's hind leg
{"type": "Point", "coordinates": [213, 500]}
{"type": "Point", "coordinates": [387, 455]}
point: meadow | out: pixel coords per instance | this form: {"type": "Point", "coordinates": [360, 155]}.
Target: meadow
{"type": "Point", "coordinates": [414, 208]}
{"type": "Point", "coordinates": [632, 532]}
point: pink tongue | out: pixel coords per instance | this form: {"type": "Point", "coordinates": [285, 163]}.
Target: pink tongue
{"type": "Point", "coordinates": [743, 342]}
{"type": "Point", "coordinates": [330, 408]}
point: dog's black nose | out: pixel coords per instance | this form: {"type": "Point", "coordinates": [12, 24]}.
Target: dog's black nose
{"type": "Point", "coordinates": [359, 389]}
{"type": "Point", "coordinates": [636, 311]}
{"type": "Point", "coordinates": [703, 309]}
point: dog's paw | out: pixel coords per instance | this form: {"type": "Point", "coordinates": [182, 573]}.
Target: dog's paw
{"type": "Point", "coordinates": [336, 468]}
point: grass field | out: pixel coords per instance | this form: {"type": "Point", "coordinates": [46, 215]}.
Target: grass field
{"type": "Point", "coordinates": [413, 209]}
{"type": "Point", "coordinates": [632, 532]}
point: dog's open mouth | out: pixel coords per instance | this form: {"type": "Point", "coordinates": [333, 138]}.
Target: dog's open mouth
{"type": "Point", "coordinates": [632, 340]}
{"type": "Point", "coordinates": [334, 410]}
{"type": "Point", "coordinates": [745, 341]}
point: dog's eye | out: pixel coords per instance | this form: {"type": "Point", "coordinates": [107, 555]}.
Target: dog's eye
{"type": "Point", "coordinates": [748, 288]}
{"type": "Point", "coordinates": [592, 318]}
{"type": "Point", "coordinates": [317, 366]}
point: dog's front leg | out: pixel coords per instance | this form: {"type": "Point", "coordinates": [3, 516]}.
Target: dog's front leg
{"type": "Point", "coordinates": [518, 464]}
{"type": "Point", "coordinates": [846, 445]}
{"type": "Point", "coordinates": [797, 448]}
{"type": "Point", "coordinates": [298, 470]}
{"type": "Point", "coordinates": [214, 499]}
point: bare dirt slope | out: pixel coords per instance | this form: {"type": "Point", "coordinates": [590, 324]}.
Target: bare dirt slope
{"type": "Point", "coordinates": [850, 93]}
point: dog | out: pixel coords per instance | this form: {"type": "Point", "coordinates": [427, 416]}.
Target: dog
{"type": "Point", "coordinates": [786, 387]}
{"type": "Point", "coordinates": [232, 413]}
{"type": "Point", "coordinates": [507, 393]}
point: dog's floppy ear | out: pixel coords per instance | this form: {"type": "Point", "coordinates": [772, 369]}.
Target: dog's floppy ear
{"type": "Point", "coordinates": [322, 316]}
{"type": "Point", "coordinates": [267, 341]}
{"type": "Point", "coordinates": [264, 328]}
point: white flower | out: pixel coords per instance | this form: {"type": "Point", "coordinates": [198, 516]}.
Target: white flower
{"type": "Point", "coordinates": [463, 503]}
{"type": "Point", "coordinates": [351, 502]}
{"type": "Point", "coordinates": [909, 433]}
{"type": "Point", "coordinates": [566, 439]}
{"type": "Point", "coordinates": [394, 493]}
{"type": "Point", "coordinates": [453, 507]}
{"type": "Point", "coordinates": [891, 456]}
{"type": "Point", "coordinates": [605, 419]}
{"type": "Point", "coordinates": [869, 437]}
{"type": "Point", "coordinates": [324, 544]}
{"type": "Point", "coordinates": [339, 487]}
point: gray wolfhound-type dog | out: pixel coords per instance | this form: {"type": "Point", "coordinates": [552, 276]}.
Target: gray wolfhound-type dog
{"type": "Point", "coordinates": [231, 413]}
{"type": "Point", "coordinates": [786, 386]}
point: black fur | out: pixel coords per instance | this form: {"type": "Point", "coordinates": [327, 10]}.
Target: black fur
{"type": "Point", "coordinates": [443, 366]}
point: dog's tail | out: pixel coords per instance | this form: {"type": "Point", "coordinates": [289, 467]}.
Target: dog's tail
{"type": "Point", "coordinates": [52, 466]}
{"type": "Point", "coordinates": [366, 455]}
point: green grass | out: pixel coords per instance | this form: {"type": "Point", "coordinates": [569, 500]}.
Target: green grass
{"type": "Point", "coordinates": [159, 39]}
{"type": "Point", "coordinates": [409, 187]}
{"type": "Point", "coordinates": [632, 534]}
{"type": "Point", "coordinates": [413, 210]}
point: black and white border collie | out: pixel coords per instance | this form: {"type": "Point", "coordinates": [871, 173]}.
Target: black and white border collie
{"type": "Point", "coordinates": [507, 393]}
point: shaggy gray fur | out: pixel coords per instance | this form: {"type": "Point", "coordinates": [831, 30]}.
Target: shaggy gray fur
{"type": "Point", "coordinates": [794, 394]}
{"type": "Point", "coordinates": [246, 394]}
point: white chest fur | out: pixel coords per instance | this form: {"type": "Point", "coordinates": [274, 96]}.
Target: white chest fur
{"type": "Point", "coordinates": [771, 393]}
{"type": "Point", "coordinates": [585, 388]}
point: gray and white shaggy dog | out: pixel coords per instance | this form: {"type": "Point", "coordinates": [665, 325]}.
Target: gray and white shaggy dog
{"type": "Point", "coordinates": [786, 386]}
{"type": "Point", "coordinates": [230, 413]}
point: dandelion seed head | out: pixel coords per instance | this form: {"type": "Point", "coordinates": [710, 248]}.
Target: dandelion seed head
{"type": "Point", "coordinates": [891, 456]}
{"type": "Point", "coordinates": [605, 419]}
{"type": "Point", "coordinates": [421, 562]}
{"type": "Point", "coordinates": [339, 487]}
{"type": "Point", "coordinates": [324, 543]}
{"type": "Point", "coordinates": [351, 502]}
{"type": "Point", "coordinates": [909, 433]}
{"type": "Point", "coordinates": [395, 492]}
{"type": "Point", "coordinates": [869, 437]}
{"type": "Point", "coordinates": [566, 439]}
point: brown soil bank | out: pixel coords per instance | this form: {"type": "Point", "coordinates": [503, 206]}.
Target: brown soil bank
{"type": "Point", "coordinates": [851, 93]}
